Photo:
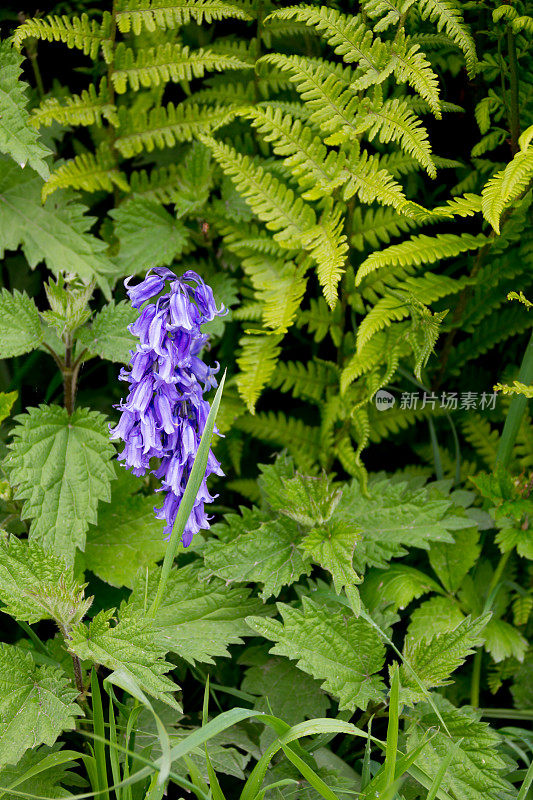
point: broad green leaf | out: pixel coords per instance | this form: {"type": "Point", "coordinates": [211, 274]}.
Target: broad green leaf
{"type": "Point", "coordinates": [434, 661]}
{"type": "Point", "coordinates": [307, 500]}
{"type": "Point", "coordinates": [393, 517]}
{"type": "Point", "coordinates": [107, 336]}
{"type": "Point", "coordinates": [267, 555]}
{"type": "Point", "coordinates": [7, 400]}
{"type": "Point", "coordinates": [476, 770]}
{"type": "Point", "coordinates": [56, 232]}
{"type": "Point", "coordinates": [20, 325]}
{"type": "Point", "coordinates": [451, 562]}
{"type": "Point", "coordinates": [17, 137]}
{"type": "Point", "coordinates": [130, 646]}
{"type": "Point", "coordinates": [433, 616]}
{"type": "Point", "coordinates": [41, 772]}
{"type": "Point", "coordinates": [345, 653]}
{"type": "Point", "coordinates": [332, 546]}
{"type": "Point", "coordinates": [398, 586]}
{"type": "Point", "coordinates": [196, 619]}
{"type": "Point", "coordinates": [35, 584]}
{"type": "Point", "coordinates": [36, 704]}
{"type": "Point", "coordinates": [273, 683]}
{"type": "Point", "coordinates": [504, 641]}
{"type": "Point", "coordinates": [61, 467]}
{"type": "Point", "coordinates": [148, 235]}
{"type": "Point", "coordinates": [127, 537]}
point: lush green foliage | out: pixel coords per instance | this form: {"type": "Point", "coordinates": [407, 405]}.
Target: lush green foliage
{"type": "Point", "coordinates": [355, 182]}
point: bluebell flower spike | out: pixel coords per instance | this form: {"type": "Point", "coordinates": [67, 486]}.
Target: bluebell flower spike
{"type": "Point", "coordinates": [165, 412]}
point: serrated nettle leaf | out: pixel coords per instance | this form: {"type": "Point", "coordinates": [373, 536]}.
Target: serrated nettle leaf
{"type": "Point", "coordinates": [17, 137]}
{"type": "Point", "coordinates": [451, 562]}
{"type": "Point", "coordinates": [344, 652]}
{"type": "Point", "coordinates": [130, 646]}
{"type": "Point", "coordinates": [56, 232]}
{"type": "Point", "coordinates": [434, 616]}
{"type": "Point", "coordinates": [197, 619]}
{"type": "Point", "coordinates": [268, 555]}
{"type": "Point", "coordinates": [398, 586]}
{"type": "Point", "coordinates": [42, 772]}
{"type": "Point", "coordinates": [7, 400]}
{"type": "Point", "coordinates": [36, 704]}
{"type": "Point", "coordinates": [477, 768]}
{"type": "Point", "coordinates": [392, 517]}
{"type": "Point", "coordinates": [61, 466]}
{"type": "Point", "coordinates": [149, 236]}
{"type": "Point", "coordinates": [435, 659]}
{"type": "Point", "coordinates": [108, 336]}
{"type": "Point", "coordinates": [20, 324]}
{"type": "Point", "coordinates": [273, 683]}
{"type": "Point", "coordinates": [35, 584]}
{"type": "Point", "coordinates": [333, 547]}
{"type": "Point", "coordinates": [503, 641]}
{"type": "Point", "coordinates": [127, 537]}
{"type": "Point", "coordinates": [308, 501]}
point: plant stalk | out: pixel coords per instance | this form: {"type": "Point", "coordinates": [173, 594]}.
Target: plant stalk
{"type": "Point", "coordinates": [516, 411]}
{"type": "Point", "coordinates": [514, 103]}
{"type": "Point", "coordinates": [69, 377]}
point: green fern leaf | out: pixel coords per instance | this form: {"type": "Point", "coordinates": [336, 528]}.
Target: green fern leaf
{"type": "Point", "coordinates": [133, 15]}
{"type": "Point", "coordinates": [279, 287]}
{"type": "Point", "coordinates": [88, 108]}
{"type": "Point", "coordinates": [310, 381]}
{"type": "Point", "coordinates": [326, 91]}
{"type": "Point", "coordinates": [327, 245]}
{"type": "Point", "coordinates": [346, 653]}
{"type": "Point", "coordinates": [90, 172]}
{"type": "Point", "coordinates": [16, 136]}
{"type": "Point", "coordinates": [257, 362]}
{"type": "Point", "coordinates": [506, 185]}
{"type": "Point", "coordinates": [377, 226]}
{"type": "Point", "coordinates": [60, 465]}
{"type": "Point", "coordinates": [448, 16]}
{"type": "Point", "coordinates": [155, 66]}
{"type": "Point", "coordinates": [272, 201]}
{"type": "Point", "coordinates": [421, 249]}
{"type": "Point", "coordinates": [302, 441]}
{"type": "Point", "coordinates": [317, 171]}
{"type": "Point", "coordinates": [81, 33]}
{"type": "Point", "coordinates": [411, 66]}
{"type": "Point", "coordinates": [371, 183]}
{"type": "Point", "coordinates": [163, 126]}
{"type": "Point", "coordinates": [394, 121]}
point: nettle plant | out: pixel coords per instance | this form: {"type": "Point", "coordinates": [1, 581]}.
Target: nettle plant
{"type": "Point", "coordinates": [271, 153]}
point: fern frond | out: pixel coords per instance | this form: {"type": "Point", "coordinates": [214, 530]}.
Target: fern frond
{"type": "Point", "coordinates": [394, 121]}
{"type": "Point", "coordinates": [372, 183]}
{"type": "Point", "coordinates": [507, 185]}
{"type": "Point", "coordinates": [493, 329]}
{"type": "Point", "coordinates": [327, 245]}
{"type": "Point", "coordinates": [348, 35]}
{"type": "Point", "coordinates": [133, 15]}
{"type": "Point", "coordinates": [80, 33]}
{"type": "Point", "coordinates": [375, 227]}
{"type": "Point", "coordinates": [398, 305]}
{"type": "Point", "coordinates": [88, 108]}
{"type": "Point", "coordinates": [90, 172]}
{"type": "Point", "coordinates": [368, 356]}
{"type": "Point", "coordinates": [272, 201]}
{"type": "Point", "coordinates": [160, 184]}
{"type": "Point", "coordinates": [482, 438]}
{"type": "Point", "coordinates": [310, 381]}
{"type": "Point", "coordinates": [317, 171]}
{"type": "Point", "coordinates": [256, 361]}
{"type": "Point", "coordinates": [302, 441]}
{"type": "Point", "coordinates": [279, 287]}
{"type": "Point", "coordinates": [391, 11]}
{"type": "Point", "coordinates": [515, 388]}
{"type": "Point", "coordinates": [328, 95]}
{"type": "Point", "coordinates": [411, 66]}
{"type": "Point", "coordinates": [421, 249]}
{"type": "Point", "coordinates": [164, 126]}
{"type": "Point", "coordinates": [447, 14]}
{"type": "Point", "coordinates": [166, 62]}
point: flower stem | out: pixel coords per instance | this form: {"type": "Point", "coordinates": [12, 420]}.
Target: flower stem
{"type": "Point", "coordinates": [516, 411]}
{"type": "Point", "coordinates": [187, 501]}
